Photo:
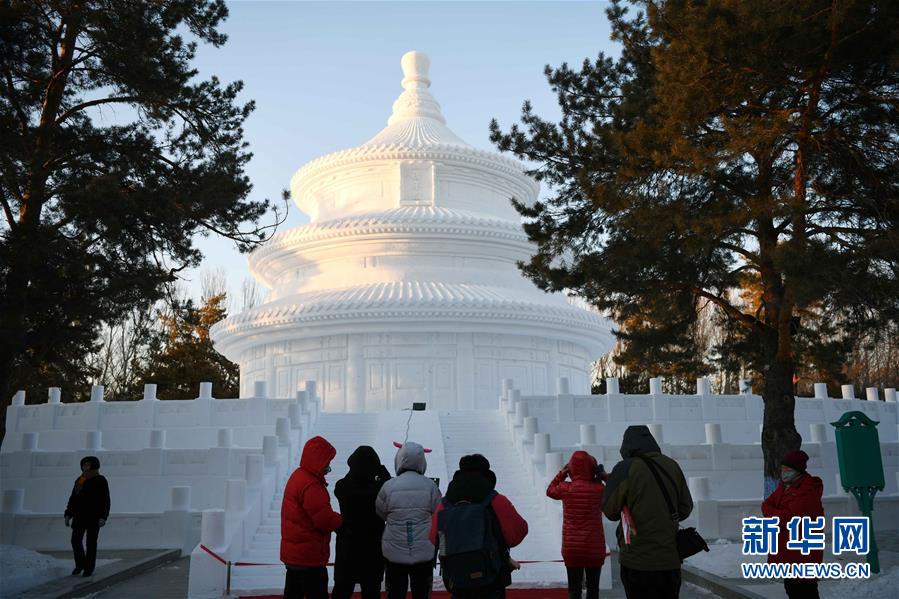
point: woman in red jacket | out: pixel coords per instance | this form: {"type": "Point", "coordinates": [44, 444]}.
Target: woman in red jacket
{"type": "Point", "coordinates": [798, 494]}
{"type": "Point", "coordinates": [307, 522]}
{"type": "Point", "coordinates": [583, 540]}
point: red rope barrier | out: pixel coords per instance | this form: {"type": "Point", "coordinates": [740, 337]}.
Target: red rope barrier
{"type": "Point", "coordinates": [213, 554]}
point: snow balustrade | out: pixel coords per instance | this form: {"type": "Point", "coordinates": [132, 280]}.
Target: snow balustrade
{"type": "Point", "coordinates": [714, 438]}
{"type": "Point", "coordinates": [177, 469]}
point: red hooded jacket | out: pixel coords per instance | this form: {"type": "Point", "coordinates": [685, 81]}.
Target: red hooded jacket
{"type": "Point", "coordinates": [802, 498]}
{"type": "Point", "coordinates": [307, 519]}
{"type": "Point", "coordinates": [583, 541]}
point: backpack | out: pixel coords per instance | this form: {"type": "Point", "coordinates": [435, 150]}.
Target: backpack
{"type": "Point", "coordinates": [470, 554]}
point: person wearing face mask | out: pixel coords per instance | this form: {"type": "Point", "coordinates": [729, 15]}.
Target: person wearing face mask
{"type": "Point", "coordinates": [307, 522]}
{"type": "Point", "coordinates": [798, 494]}
{"type": "Point", "coordinates": [86, 513]}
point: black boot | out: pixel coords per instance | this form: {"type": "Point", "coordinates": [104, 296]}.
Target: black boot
{"type": "Point", "coordinates": [76, 571]}
{"type": "Point", "coordinates": [88, 573]}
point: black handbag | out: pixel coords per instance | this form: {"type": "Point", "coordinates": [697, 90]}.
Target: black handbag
{"type": "Point", "coordinates": [687, 540]}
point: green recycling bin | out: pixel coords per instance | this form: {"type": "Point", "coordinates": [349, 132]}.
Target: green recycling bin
{"type": "Point", "coordinates": [861, 467]}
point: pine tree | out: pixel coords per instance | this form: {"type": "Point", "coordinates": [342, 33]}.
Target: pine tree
{"type": "Point", "coordinates": [100, 207]}
{"type": "Point", "coordinates": [184, 355]}
{"type": "Point", "coordinates": [729, 139]}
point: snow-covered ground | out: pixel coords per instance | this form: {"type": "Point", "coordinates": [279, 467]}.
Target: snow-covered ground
{"type": "Point", "coordinates": [22, 569]}
{"type": "Point", "coordinates": [725, 557]}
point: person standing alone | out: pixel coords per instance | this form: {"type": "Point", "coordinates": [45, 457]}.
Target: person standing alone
{"type": "Point", "coordinates": [87, 512]}
{"type": "Point", "coordinates": [798, 495]}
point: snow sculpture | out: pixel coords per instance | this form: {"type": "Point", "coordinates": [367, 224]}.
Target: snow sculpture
{"type": "Point", "coordinates": [404, 286]}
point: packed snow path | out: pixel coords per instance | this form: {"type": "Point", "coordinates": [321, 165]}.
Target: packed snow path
{"type": "Point", "coordinates": [449, 436]}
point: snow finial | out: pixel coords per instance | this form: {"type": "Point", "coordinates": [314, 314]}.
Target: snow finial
{"type": "Point", "coordinates": [416, 100]}
{"type": "Point", "coordinates": [415, 70]}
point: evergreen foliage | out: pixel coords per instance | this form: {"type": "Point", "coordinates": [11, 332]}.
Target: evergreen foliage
{"type": "Point", "coordinates": [115, 154]}
{"type": "Point", "coordinates": [731, 144]}
{"type": "Point", "coordinates": [183, 355]}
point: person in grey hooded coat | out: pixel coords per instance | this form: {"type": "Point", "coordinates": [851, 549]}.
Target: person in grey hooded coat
{"type": "Point", "coordinates": [406, 504]}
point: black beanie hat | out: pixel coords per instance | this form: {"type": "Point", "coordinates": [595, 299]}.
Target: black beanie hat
{"type": "Point", "coordinates": [474, 463]}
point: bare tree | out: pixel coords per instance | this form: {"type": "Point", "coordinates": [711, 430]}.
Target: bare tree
{"type": "Point", "coordinates": [250, 293]}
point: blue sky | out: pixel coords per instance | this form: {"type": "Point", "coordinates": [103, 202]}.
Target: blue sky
{"type": "Point", "coordinates": [324, 76]}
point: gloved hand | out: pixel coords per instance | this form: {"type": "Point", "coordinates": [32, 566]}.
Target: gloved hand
{"type": "Point", "coordinates": [68, 521]}
{"type": "Point", "coordinates": [383, 473]}
{"type": "Point", "coordinates": [102, 522]}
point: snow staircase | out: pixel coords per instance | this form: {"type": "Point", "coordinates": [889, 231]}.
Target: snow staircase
{"type": "Point", "coordinates": [485, 432]}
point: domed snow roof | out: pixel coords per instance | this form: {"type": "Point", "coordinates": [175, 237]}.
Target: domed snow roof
{"type": "Point", "coordinates": [415, 160]}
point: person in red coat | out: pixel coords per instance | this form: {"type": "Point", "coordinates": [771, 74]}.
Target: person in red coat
{"type": "Point", "coordinates": [798, 494]}
{"type": "Point", "coordinates": [583, 540]}
{"type": "Point", "coordinates": [307, 522]}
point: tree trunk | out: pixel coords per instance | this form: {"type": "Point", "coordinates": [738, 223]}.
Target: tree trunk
{"type": "Point", "coordinates": [779, 433]}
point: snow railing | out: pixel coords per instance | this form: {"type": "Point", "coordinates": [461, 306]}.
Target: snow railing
{"type": "Point", "coordinates": [221, 462]}
{"type": "Point", "coordinates": [185, 423]}
{"type": "Point", "coordinates": [714, 438]}
{"type": "Point", "coordinates": [226, 534]}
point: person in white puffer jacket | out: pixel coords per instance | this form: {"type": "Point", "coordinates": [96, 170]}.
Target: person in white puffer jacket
{"type": "Point", "coordinates": [406, 504]}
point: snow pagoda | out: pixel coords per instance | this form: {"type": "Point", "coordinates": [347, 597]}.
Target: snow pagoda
{"type": "Point", "coordinates": [404, 285]}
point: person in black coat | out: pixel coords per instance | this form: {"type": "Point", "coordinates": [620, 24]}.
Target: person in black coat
{"type": "Point", "coordinates": [358, 557]}
{"type": "Point", "coordinates": [86, 513]}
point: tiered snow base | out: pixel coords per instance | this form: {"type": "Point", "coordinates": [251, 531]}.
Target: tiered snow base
{"type": "Point", "coordinates": [449, 436]}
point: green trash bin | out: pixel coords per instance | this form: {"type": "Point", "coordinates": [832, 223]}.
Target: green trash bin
{"type": "Point", "coordinates": [861, 467]}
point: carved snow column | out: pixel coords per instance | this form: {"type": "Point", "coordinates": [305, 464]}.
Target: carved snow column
{"type": "Point", "coordinates": [848, 391]}
{"type": "Point", "coordinates": [712, 433]}
{"type": "Point", "coordinates": [260, 389]}
{"type": "Point", "coordinates": [821, 391]}
{"type": "Point", "coordinates": [521, 412]}
{"type": "Point", "coordinates": [254, 470]}
{"type": "Point", "coordinates": [872, 394]}
{"type": "Point", "coordinates": [205, 391]}
{"type": "Point", "coordinates": [355, 375]}
{"type": "Point", "coordinates": [150, 392]}
{"type": "Point", "coordinates": [541, 447]}
{"type": "Point", "coordinates": [588, 435]}
{"type": "Point", "coordinates": [96, 393]}
{"type": "Point", "coordinates": [180, 499]}
{"type": "Point", "coordinates": [93, 440]}
{"type": "Point", "coordinates": [29, 441]}
{"type": "Point", "coordinates": [19, 398]}
{"type": "Point", "coordinates": [282, 431]}
{"type": "Point", "coordinates": [889, 394]}
{"type": "Point", "coordinates": [212, 528]}
{"type": "Point", "coordinates": [313, 399]}
{"type": "Point", "coordinates": [54, 395]}
{"type": "Point", "coordinates": [270, 449]}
